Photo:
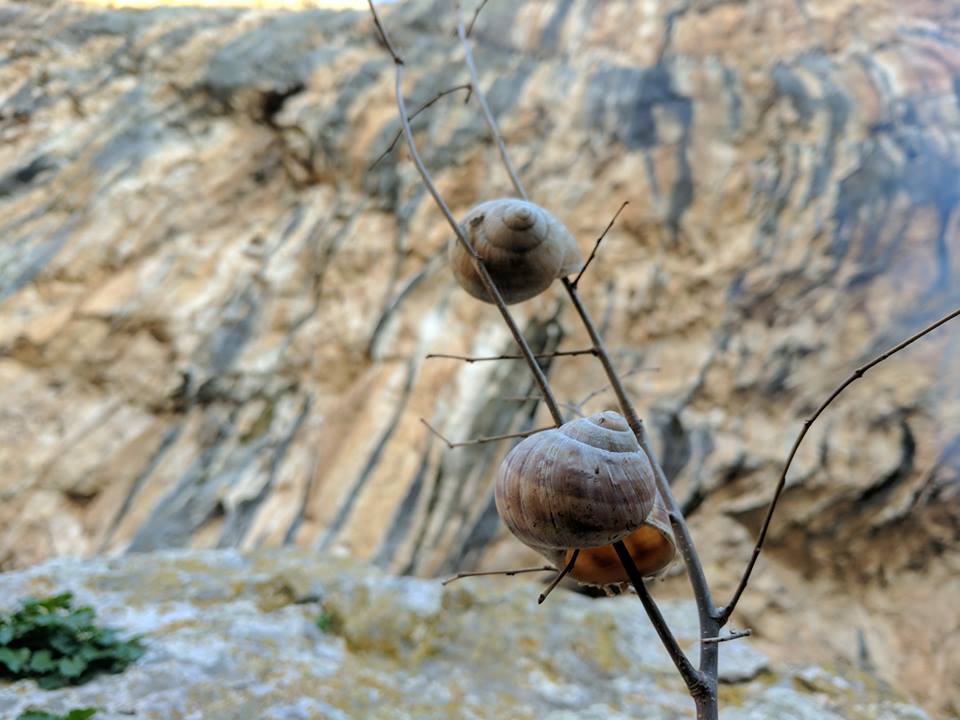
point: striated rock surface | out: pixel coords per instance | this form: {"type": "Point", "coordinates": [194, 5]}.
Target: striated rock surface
{"type": "Point", "coordinates": [283, 635]}
{"type": "Point", "coordinates": [213, 316]}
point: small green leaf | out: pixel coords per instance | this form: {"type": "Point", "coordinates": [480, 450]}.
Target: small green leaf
{"type": "Point", "coordinates": [54, 602]}
{"type": "Point", "coordinates": [41, 661]}
{"type": "Point", "coordinates": [52, 682]}
{"type": "Point", "coordinates": [81, 714]}
{"type": "Point", "coordinates": [15, 660]}
{"type": "Point", "coordinates": [65, 643]}
{"type": "Point", "coordinates": [32, 714]}
{"type": "Point", "coordinates": [76, 714]}
{"type": "Point", "coordinates": [71, 667]}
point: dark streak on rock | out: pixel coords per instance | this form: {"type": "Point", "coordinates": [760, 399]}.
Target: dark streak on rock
{"type": "Point", "coordinates": [877, 493]}
{"type": "Point", "coordinates": [675, 441]}
{"type": "Point", "coordinates": [838, 107]}
{"type": "Point", "coordinates": [346, 508]}
{"type": "Point", "coordinates": [394, 304]}
{"type": "Point", "coordinates": [402, 521]}
{"type": "Point", "coordinates": [621, 102]}
{"type": "Point", "coordinates": [240, 518]}
{"type": "Point", "coordinates": [551, 31]}
{"type": "Point", "coordinates": [21, 178]}
{"type": "Point", "coordinates": [169, 438]}
{"type": "Point", "coordinates": [492, 418]}
{"type": "Point", "coordinates": [234, 331]}
{"type": "Point", "coordinates": [731, 83]}
{"type": "Point", "coordinates": [188, 505]}
{"type": "Point", "coordinates": [790, 86]}
{"type": "Point", "coordinates": [22, 262]}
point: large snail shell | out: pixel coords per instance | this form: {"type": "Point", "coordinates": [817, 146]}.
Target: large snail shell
{"type": "Point", "coordinates": [523, 247]}
{"type": "Point", "coordinates": [584, 486]}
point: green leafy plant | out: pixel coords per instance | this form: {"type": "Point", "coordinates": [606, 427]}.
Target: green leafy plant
{"type": "Point", "coordinates": [57, 644]}
{"type": "Point", "coordinates": [329, 621]}
{"type": "Point", "coordinates": [76, 714]}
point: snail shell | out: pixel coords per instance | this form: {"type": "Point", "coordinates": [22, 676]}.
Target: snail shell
{"type": "Point", "coordinates": [523, 247]}
{"type": "Point", "coordinates": [584, 486]}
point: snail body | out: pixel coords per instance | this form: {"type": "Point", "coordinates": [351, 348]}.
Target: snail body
{"type": "Point", "coordinates": [584, 486]}
{"type": "Point", "coordinates": [522, 246]}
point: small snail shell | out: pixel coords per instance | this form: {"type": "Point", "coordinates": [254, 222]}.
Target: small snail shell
{"type": "Point", "coordinates": [584, 486]}
{"type": "Point", "coordinates": [523, 247]}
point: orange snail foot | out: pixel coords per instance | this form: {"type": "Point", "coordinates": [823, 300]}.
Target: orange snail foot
{"type": "Point", "coordinates": [650, 549]}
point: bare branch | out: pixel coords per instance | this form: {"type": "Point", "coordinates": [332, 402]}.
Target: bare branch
{"type": "Point", "coordinates": [383, 34]}
{"type": "Point", "coordinates": [541, 356]}
{"type": "Point", "coordinates": [518, 571]}
{"type": "Point", "coordinates": [487, 114]}
{"type": "Point", "coordinates": [424, 106]}
{"type": "Point", "coordinates": [734, 635]}
{"type": "Point", "coordinates": [560, 576]}
{"type": "Point", "coordinates": [724, 614]}
{"type": "Point", "coordinates": [691, 676]}
{"type": "Point", "coordinates": [483, 439]}
{"type": "Point", "coordinates": [476, 14]}
{"type": "Point", "coordinates": [593, 253]}
{"type": "Point", "coordinates": [606, 386]}
{"type": "Point", "coordinates": [483, 274]}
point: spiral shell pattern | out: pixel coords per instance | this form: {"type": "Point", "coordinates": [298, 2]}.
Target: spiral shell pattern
{"type": "Point", "coordinates": [523, 247]}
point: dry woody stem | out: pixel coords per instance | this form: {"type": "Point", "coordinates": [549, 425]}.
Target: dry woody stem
{"type": "Point", "coordinates": [596, 246]}
{"type": "Point", "coordinates": [733, 635]}
{"type": "Point", "coordinates": [483, 573]}
{"type": "Point", "coordinates": [560, 576]}
{"type": "Point", "coordinates": [483, 439]}
{"type": "Point", "coordinates": [782, 482]}
{"type": "Point", "coordinates": [424, 106]}
{"type": "Point", "coordinates": [488, 358]}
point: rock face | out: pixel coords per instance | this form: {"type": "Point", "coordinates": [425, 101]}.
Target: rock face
{"type": "Point", "coordinates": [283, 635]}
{"type": "Point", "coordinates": [214, 314]}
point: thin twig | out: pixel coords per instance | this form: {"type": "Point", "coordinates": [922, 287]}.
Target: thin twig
{"type": "Point", "coordinates": [691, 676]}
{"type": "Point", "coordinates": [487, 358]}
{"type": "Point", "coordinates": [424, 106]}
{"type": "Point", "coordinates": [483, 439]}
{"type": "Point", "coordinates": [560, 576]}
{"type": "Point", "coordinates": [476, 14]}
{"type": "Point", "coordinates": [724, 614]}
{"type": "Point", "coordinates": [518, 571]}
{"type": "Point", "coordinates": [486, 280]}
{"type": "Point", "coordinates": [606, 386]}
{"type": "Point", "coordinates": [733, 635]}
{"type": "Point", "coordinates": [484, 106]}
{"type": "Point", "coordinates": [593, 253]}
{"type": "Point", "coordinates": [384, 36]}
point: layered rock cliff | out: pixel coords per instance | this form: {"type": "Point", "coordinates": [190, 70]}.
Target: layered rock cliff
{"type": "Point", "coordinates": [214, 314]}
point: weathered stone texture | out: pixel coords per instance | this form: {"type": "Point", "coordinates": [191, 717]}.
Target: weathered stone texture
{"type": "Point", "coordinates": [214, 315]}
{"type": "Point", "coordinates": [282, 635]}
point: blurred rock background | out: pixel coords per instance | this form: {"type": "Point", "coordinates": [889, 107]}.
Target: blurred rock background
{"type": "Point", "coordinates": [213, 314]}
